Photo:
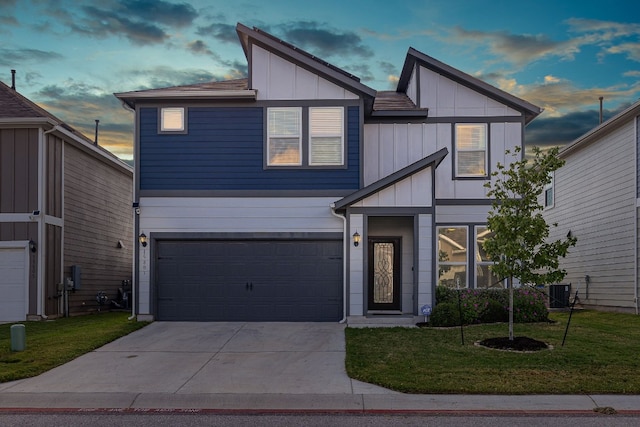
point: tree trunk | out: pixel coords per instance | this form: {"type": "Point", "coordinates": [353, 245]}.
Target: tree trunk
{"type": "Point", "coordinates": [510, 286]}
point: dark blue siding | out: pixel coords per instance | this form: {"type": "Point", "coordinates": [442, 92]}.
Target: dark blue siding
{"type": "Point", "coordinates": [223, 150]}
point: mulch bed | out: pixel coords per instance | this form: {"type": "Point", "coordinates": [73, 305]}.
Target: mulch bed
{"type": "Point", "coordinates": [517, 344]}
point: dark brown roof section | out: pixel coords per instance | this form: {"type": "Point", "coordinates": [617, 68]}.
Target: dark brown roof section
{"type": "Point", "coordinates": [237, 89]}
{"type": "Point", "coordinates": [396, 104]}
{"type": "Point", "coordinates": [237, 84]}
{"type": "Point", "coordinates": [14, 106]}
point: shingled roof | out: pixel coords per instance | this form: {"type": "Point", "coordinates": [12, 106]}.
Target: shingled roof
{"type": "Point", "coordinates": [13, 105]}
{"type": "Point", "coordinates": [393, 103]}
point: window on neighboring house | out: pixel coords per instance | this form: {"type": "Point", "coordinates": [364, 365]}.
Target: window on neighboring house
{"type": "Point", "coordinates": [172, 119]}
{"type": "Point", "coordinates": [484, 276]}
{"type": "Point", "coordinates": [471, 150]}
{"type": "Point", "coordinates": [452, 256]}
{"type": "Point", "coordinates": [548, 193]}
{"type": "Point", "coordinates": [326, 134]}
{"type": "Point", "coordinates": [320, 143]}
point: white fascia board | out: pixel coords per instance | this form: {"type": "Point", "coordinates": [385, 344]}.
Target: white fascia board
{"type": "Point", "coordinates": [191, 94]}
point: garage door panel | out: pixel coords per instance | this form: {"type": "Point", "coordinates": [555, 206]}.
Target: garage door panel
{"type": "Point", "coordinates": [249, 280]}
{"type": "Point", "coordinates": [13, 284]}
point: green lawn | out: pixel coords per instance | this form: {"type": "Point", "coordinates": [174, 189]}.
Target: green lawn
{"type": "Point", "coordinates": [601, 355]}
{"type": "Point", "coordinates": [53, 343]}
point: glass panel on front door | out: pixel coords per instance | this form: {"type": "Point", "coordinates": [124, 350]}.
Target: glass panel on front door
{"type": "Point", "coordinates": [383, 273]}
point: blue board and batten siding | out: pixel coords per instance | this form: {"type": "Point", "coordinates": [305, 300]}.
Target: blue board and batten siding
{"type": "Point", "coordinates": [223, 150]}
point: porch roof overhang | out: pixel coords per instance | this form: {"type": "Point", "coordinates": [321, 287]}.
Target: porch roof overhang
{"type": "Point", "coordinates": [431, 160]}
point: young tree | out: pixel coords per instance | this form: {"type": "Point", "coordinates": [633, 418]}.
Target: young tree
{"type": "Point", "coordinates": [518, 244]}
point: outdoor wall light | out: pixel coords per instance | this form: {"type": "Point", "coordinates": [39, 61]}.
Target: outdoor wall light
{"type": "Point", "coordinates": [356, 239]}
{"type": "Point", "coordinates": [143, 240]}
{"type": "Point", "coordinates": [32, 246]}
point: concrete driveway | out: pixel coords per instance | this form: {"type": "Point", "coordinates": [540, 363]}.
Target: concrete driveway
{"type": "Point", "coordinates": [204, 358]}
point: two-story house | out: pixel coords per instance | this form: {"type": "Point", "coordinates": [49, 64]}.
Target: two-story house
{"type": "Point", "coordinates": [596, 195]}
{"type": "Point", "coordinates": [301, 194]}
{"type": "Point", "coordinates": [66, 223]}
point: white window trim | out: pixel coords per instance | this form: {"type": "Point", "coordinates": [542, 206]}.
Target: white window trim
{"type": "Point", "coordinates": [453, 263]}
{"type": "Point", "coordinates": [550, 186]}
{"type": "Point", "coordinates": [339, 134]}
{"type": "Point", "coordinates": [476, 258]}
{"type": "Point", "coordinates": [275, 135]}
{"type": "Point", "coordinates": [457, 150]}
{"type": "Point", "coordinates": [305, 137]}
{"type": "Point", "coordinates": [183, 120]}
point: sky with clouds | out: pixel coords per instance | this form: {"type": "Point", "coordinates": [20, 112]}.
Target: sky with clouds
{"type": "Point", "coordinates": [71, 56]}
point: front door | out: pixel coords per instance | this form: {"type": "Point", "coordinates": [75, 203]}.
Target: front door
{"type": "Point", "coordinates": [384, 273]}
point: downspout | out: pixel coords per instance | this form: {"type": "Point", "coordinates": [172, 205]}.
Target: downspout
{"type": "Point", "coordinates": [345, 240]}
{"type": "Point", "coordinates": [136, 221]}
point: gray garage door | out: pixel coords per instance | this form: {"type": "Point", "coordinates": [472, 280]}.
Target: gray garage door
{"type": "Point", "coordinates": [249, 280]}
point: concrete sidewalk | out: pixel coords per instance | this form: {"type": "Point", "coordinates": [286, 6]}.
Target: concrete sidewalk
{"type": "Point", "coordinates": [248, 367]}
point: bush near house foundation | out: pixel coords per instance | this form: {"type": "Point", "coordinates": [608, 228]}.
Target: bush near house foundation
{"type": "Point", "coordinates": [487, 306]}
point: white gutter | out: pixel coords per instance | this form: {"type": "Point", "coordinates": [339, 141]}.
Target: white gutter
{"type": "Point", "coordinates": [345, 240]}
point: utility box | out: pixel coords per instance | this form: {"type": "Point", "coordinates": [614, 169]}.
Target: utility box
{"type": "Point", "coordinates": [559, 295]}
{"type": "Point", "coordinates": [76, 275]}
{"type": "Point", "coordinates": [18, 337]}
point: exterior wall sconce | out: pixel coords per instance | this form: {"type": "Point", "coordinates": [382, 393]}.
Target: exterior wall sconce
{"type": "Point", "coordinates": [32, 246]}
{"type": "Point", "coordinates": [143, 240]}
{"type": "Point", "coordinates": [356, 239]}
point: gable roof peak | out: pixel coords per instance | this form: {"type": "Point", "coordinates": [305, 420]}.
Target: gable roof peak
{"type": "Point", "coordinates": [414, 57]}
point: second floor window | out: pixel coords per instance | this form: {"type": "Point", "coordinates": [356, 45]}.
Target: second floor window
{"type": "Point", "coordinates": [284, 136]}
{"type": "Point", "coordinates": [471, 150]}
{"type": "Point", "coordinates": [172, 119]}
{"type": "Point", "coordinates": [305, 136]}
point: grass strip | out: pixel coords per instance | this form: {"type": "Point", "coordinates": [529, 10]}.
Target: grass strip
{"type": "Point", "coordinates": [52, 343]}
{"type": "Point", "coordinates": [600, 356]}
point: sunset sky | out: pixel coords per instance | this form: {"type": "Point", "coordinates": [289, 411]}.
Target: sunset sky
{"type": "Point", "coordinates": [71, 56]}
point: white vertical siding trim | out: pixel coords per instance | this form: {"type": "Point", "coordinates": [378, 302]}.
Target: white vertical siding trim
{"type": "Point", "coordinates": [446, 98]}
{"type": "Point", "coordinates": [413, 191]}
{"type": "Point", "coordinates": [412, 91]}
{"type": "Point", "coordinates": [462, 214]}
{"type": "Point", "coordinates": [371, 162]}
{"type": "Point", "coordinates": [356, 270]}
{"type": "Point", "coordinates": [276, 78]}
{"type": "Point", "coordinates": [425, 260]}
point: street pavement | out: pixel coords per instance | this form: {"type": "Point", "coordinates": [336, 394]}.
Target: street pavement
{"type": "Point", "coordinates": [250, 367]}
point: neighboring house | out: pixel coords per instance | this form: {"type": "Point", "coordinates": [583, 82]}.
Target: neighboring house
{"type": "Point", "coordinates": [63, 202]}
{"type": "Point", "coordinates": [595, 196]}
{"type": "Point", "coordinates": [301, 194]}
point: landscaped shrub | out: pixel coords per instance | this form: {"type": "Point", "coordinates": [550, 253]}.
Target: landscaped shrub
{"type": "Point", "coordinates": [529, 305]}
{"type": "Point", "coordinates": [445, 314]}
{"type": "Point", "coordinates": [488, 305]}
{"type": "Point", "coordinates": [494, 312]}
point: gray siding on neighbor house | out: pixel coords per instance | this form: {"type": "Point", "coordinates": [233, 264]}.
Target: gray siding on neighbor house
{"type": "Point", "coordinates": [638, 157]}
{"type": "Point", "coordinates": [18, 171]}
{"type": "Point", "coordinates": [97, 213]}
{"type": "Point", "coordinates": [595, 198]}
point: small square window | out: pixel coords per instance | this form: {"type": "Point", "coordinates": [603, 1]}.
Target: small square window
{"type": "Point", "coordinates": [172, 119]}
